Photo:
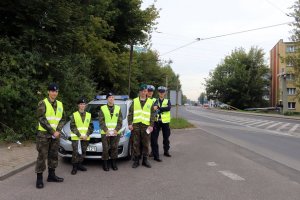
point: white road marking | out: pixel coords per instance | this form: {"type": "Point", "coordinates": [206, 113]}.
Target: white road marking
{"type": "Point", "coordinates": [269, 122]}
{"type": "Point", "coordinates": [274, 125]}
{"type": "Point", "coordinates": [257, 122]}
{"type": "Point", "coordinates": [294, 128]}
{"type": "Point", "coordinates": [282, 127]}
{"type": "Point", "coordinates": [232, 176]}
{"type": "Point", "coordinates": [211, 164]}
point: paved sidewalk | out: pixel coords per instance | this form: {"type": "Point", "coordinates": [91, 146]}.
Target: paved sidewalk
{"type": "Point", "coordinates": [16, 157]}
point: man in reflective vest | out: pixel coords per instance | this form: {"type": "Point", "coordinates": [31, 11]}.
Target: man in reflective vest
{"type": "Point", "coordinates": [151, 90]}
{"type": "Point", "coordinates": [110, 117]}
{"type": "Point", "coordinates": [81, 127]}
{"type": "Point", "coordinates": [141, 120]}
{"type": "Point", "coordinates": [163, 119]}
{"type": "Point", "coordinates": [51, 119]}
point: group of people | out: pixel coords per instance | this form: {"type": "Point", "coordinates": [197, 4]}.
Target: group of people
{"type": "Point", "coordinates": [147, 116]}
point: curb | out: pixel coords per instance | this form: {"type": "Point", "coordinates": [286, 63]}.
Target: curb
{"type": "Point", "coordinates": [16, 170]}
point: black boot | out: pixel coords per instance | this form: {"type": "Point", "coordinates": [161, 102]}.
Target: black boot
{"type": "Point", "coordinates": [167, 154]}
{"type": "Point", "coordinates": [52, 177]}
{"type": "Point", "coordinates": [105, 165]}
{"type": "Point", "coordinates": [157, 159]}
{"type": "Point", "coordinates": [39, 180]}
{"type": "Point", "coordinates": [146, 162]}
{"type": "Point", "coordinates": [81, 167]}
{"type": "Point", "coordinates": [74, 170]}
{"type": "Point", "coordinates": [114, 164]}
{"type": "Point", "coordinates": [136, 162]}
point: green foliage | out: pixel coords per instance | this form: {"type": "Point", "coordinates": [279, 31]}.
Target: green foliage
{"type": "Point", "coordinates": [201, 98]}
{"type": "Point", "coordinates": [240, 80]}
{"type": "Point", "coordinates": [81, 45]}
{"type": "Point", "coordinates": [180, 123]}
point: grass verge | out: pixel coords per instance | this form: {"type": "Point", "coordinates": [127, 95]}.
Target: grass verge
{"type": "Point", "coordinates": [180, 123]}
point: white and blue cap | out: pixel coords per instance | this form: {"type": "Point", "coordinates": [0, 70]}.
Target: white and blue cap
{"type": "Point", "coordinates": [150, 88]}
{"type": "Point", "coordinates": [162, 89]}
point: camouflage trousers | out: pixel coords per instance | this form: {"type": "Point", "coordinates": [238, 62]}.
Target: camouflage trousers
{"type": "Point", "coordinates": [76, 157]}
{"type": "Point", "coordinates": [140, 140]}
{"type": "Point", "coordinates": [110, 146]}
{"type": "Point", "coordinates": [47, 148]}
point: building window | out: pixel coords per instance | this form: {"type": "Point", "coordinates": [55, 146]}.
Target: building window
{"type": "Point", "coordinates": [290, 49]}
{"type": "Point", "coordinates": [290, 77]}
{"type": "Point", "coordinates": [291, 105]}
{"type": "Point", "coordinates": [291, 91]}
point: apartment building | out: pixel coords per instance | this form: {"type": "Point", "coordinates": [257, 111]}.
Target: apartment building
{"type": "Point", "coordinates": [280, 67]}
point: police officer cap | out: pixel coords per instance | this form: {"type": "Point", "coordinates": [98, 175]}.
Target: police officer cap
{"type": "Point", "coordinates": [81, 100]}
{"type": "Point", "coordinates": [161, 89]}
{"type": "Point", "coordinates": [143, 87]}
{"type": "Point", "coordinates": [109, 94]}
{"type": "Point", "coordinates": [150, 88]}
{"type": "Point", "coordinates": [53, 87]}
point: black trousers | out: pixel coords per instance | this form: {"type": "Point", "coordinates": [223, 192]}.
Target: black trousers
{"type": "Point", "coordinates": [154, 138]}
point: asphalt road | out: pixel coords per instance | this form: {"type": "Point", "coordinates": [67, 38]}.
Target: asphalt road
{"type": "Point", "coordinates": [204, 165]}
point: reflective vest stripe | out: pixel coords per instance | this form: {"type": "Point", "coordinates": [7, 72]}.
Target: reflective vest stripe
{"type": "Point", "coordinates": [81, 126]}
{"type": "Point", "coordinates": [142, 115]}
{"type": "Point", "coordinates": [53, 117]}
{"type": "Point", "coordinates": [110, 121]}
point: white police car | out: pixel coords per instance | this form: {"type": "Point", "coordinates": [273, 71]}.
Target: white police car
{"type": "Point", "coordinates": [94, 150]}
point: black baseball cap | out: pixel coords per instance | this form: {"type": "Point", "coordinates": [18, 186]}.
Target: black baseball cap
{"type": "Point", "coordinates": [53, 87]}
{"type": "Point", "coordinates": [109, 94]}
{"type": "Point", "coordinates": [81, 100]}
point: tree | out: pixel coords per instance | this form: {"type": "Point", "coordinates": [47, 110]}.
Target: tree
{"type": "Point", "coordinates": [201, 98]}
{"type": "Point", "coordinates": [294, 59]}
{"type": "Point", "coordinates": [240, 79]}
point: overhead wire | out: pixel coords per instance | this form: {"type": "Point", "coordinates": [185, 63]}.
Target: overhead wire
{"type": "Point", "coordinates": [223, 35]}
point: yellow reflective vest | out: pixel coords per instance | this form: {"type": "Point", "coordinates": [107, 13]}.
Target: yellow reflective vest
{"type": "Point", "coordinates": [53, 117]}
{"type": "Point", "coordinates": [142, 115]}
{"type": "Point", "coordinates": [165, 116]}
{"type": "Point", "coordinates": [110, 121]}
{"type": "Point", "coordinates": [81, 126]}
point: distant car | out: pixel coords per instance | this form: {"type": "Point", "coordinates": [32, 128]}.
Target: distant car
{"type": "Point", "coordinates": [205, 105]}
{"type": "Point", "coordinates": [186, 104]}
{"type": "Point", "coordinates": [95, 149]}
{"type": "Point", "coordinates": [224, 106]}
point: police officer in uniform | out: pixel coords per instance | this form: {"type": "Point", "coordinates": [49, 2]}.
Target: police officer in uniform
{"type": "Point", "coordinates": [141, 121]}
{"type": "Point", "coordinates": [110, 117]}
{"type": "Point", "coordinates": [81, 128]}
{"type": "Point", "coordinates": [51, 119]}
{"type": "Point", "coordinates": [162, 122]}
{"type": "Point", "coordinates": [151, 90]}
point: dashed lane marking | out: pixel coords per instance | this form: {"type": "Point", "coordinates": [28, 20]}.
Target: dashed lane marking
{"type": "Point", "coordinates": [232, 176]}
{"type": "Point", "coordinates": [211, 164]}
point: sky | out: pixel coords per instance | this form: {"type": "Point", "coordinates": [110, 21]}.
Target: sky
{"type": "Point", "coordinates": [183, 21]}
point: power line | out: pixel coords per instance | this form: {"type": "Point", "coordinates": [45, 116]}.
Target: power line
{"type": "Point", "coordinates": [275, 6]}
{"type": "Point", "coordinates": [223, 35]}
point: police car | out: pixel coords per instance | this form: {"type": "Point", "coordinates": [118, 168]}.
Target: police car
{"type": "Point", "coordinates": [94, 150]}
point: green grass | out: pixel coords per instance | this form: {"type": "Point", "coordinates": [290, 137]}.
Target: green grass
{"type": "Point", "coordinates": [180, 123]}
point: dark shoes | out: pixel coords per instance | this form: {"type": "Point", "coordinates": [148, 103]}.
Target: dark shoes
{"type": "Point", "coordinates": [81, 167]}
{"type": "Point", "coordinates": [39, 181]}
{"type": "Point", "coordinates": [136, 162]}
{"type": "Point", "coordinates": [167, 154]}
{"type": "Point", "coordinates": [105, 165]}
{"type": "Point", "coordinates": [151, 154]}
{"type": "Point", "coordinates": [146, 162]}
{"type": "Point", "coordinates": [52, 177]}
{"type": "Point", "coordinates": [74, 170]}
{"type": "Point", "coordinates": [158, 159]}
{"type": "Point", "coordinates": [114, 164]}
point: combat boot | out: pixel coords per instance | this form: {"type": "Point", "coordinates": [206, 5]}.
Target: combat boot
{"type": "Point", "coordinates": [74, 170]}
{"type": "Point", "coordinates": [167, 154]}
{"type": "Point", "coordinates": [39, 181]}
{"type": "Point", "coordinates": [105, 165]}
{"type": "Point", "coordinates": [136, 162]}
{"type": "Point", "coordinates": [52, 177]}
{"type": "Point", "coordinates": [81, 167]}
{"type": "Point", "coordinates": [114, 164]}
{"type": "Point", "coordinates": [146, 162]}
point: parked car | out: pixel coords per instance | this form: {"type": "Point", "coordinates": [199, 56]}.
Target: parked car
{"type": "Point", "coordinates": [94, 150]}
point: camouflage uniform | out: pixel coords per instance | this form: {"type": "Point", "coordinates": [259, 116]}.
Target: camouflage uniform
{"type": "Point", "coordinates": [140, 138]}
{"type": "Point", "coordinates": [110, 143]}
{"type": "Point", "coordinates": [46, 146]}
{"type": "Point", "coordinates": [76, 157]}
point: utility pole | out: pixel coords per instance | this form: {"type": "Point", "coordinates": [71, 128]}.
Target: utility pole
{"type": "Point", "coordinates": [129, 71]}
{"type": "Point", "coordinates": [177, 86]}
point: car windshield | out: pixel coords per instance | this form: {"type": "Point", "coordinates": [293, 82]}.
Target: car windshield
{"type": "Point", "coordinates": [95, 108]}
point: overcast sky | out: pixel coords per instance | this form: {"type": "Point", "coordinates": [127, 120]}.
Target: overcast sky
{"type": "Point", "coordinates": [183, 21]}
